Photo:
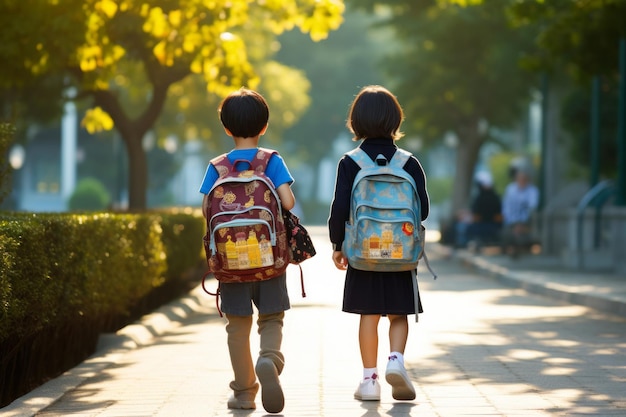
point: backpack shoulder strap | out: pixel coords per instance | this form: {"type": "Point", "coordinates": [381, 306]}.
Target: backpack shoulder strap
{"type": "Point", "coordinates": [400, 158]}
{"type": "Point", "coordinates": [220, 160]}
{"type": "Point", "coordinates": [262, 158]}
{"type": "Point", "coordinates": [359, 156]}
{"type": "Point", "coordinates": [258, 164]}
{"type": "Point", "coordinates": [222, 165]}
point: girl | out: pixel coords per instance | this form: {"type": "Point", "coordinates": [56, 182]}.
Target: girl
{"type": "Point", "coordinates": [375, 117]}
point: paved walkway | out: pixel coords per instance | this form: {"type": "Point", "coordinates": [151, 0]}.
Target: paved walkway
{"type": "Point", "coordinates": [481, 348]}
{"type": "Point", "coordinates": [545, 275]}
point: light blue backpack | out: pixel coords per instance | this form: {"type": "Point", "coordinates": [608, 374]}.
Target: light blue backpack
{"type": "Point", "coordinates": [384, 231]}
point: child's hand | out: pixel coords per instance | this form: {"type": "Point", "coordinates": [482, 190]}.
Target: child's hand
{"type": "Point", "coordinates": [341, 262]}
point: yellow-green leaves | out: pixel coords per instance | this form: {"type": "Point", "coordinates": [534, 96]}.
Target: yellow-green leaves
{"type": "Point", "coordinates": [198, 34]}
{"type": "Point", "coordinates": [463, 3]}
{"type": "Point", "coordinates": [326, 16]}
{"type": "Point", "coordinates": [217, 39]}
{"type": "Point", "coordinates": [97, 120]}
{"type": "Point", "coordinates": [108, 7]}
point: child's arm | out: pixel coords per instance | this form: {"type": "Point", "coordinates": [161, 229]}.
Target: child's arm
{"type": "Point", "coordinates": [340, 260]}
{"type": "Point", "coordinates": [205, 205]}
{"type": "Point", "coordinates": [287, 199]}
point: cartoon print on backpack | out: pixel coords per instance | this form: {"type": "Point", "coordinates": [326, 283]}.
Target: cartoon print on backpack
{"type": "Point", "coordinates": [246, 238]}
{"type": "Point", "coordinates": [385, 215]}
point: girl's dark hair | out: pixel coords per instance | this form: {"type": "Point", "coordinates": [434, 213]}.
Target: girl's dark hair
{"type": "Point", "coordinates": [375, 113]}
{"type": "Point", "coordinates": [244, 113]}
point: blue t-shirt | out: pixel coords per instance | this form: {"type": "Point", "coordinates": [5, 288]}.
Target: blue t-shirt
{"type": "Point", "coordinates": [276, 169]}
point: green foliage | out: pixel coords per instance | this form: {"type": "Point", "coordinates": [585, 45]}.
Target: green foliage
{"type": "Point", "coordinates": [70, 277]}
{"type": "Point", "coordinates": [456, 69]}
{"type": "Point", "coordinates": [581, 36]}
{"type": "Point", "coordinates": [54, 268]}
{"type": "Point", "coordinates": [499, 165]}
{"type": "Point", "coordinates": [575, 116]}
{"type": "Point", "coordinates": [90, 194]}
{"type": "Point", "coordinates": [337, 69]}
{"type": "Point", "coordinates": [105, 49]}
{"type": "Point", "coordinates": [182, 230]}
{"type": "Point", "coordinates": [457, 66]}
{"type": "Point", "coordinates": [439, 189]}
{"type": "Point", "coordinates": [36, 44]}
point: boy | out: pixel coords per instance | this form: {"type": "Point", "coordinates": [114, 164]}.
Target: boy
{"type": "Point", "coordinates": [244, 115]}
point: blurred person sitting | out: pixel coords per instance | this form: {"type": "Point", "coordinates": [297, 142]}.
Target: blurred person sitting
{"type": "Point", "coordinates": [486, 212]}
{"type": "Point", "coordinates": [520, 200]}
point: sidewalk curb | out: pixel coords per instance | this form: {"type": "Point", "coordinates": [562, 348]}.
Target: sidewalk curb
{"type": "Point", "coordinates": [553, 290]}
{"type": "Point", "coordinates": [110, 347]}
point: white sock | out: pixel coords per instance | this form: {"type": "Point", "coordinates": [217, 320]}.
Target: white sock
{"type": "Point", "coordinates": [368, 372]}
{"type": "Point", "coordinates": [399, 356]}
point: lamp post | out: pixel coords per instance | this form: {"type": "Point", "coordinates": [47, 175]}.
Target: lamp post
{"type": "Point", "coordinates": [621, 127]}
{"type": "Point", "coordinates": [595, 131]}
{"type": "Point", "coordinates": [17, 157]}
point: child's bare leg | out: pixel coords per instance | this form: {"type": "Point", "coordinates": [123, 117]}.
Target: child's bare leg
{"type": "Point", "coordinates": [244, 385]}
{"type": "Point", "coordinates": [398, 333]}
{"type": "Point", "coordinates": [368, 339]}
{"type": "Point", "coordinates": [396, 375]}
{"type": "Point", "coordinates": [369, 388]}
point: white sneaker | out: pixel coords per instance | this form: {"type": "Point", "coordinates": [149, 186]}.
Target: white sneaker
{"type": "Point", "coordinates": [239, 404]}
{"type": "Point", "coordinates": [272, 395]}
{"type": "Point", "coordinates": [396, 376]}
{"type": "Point", "coordinates": [368, 389]}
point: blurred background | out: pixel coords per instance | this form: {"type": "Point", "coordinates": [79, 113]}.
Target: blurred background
{"type": "Point", "coordinates": [111, 104]}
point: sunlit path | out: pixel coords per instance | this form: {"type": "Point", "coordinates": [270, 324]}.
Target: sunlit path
{"type": "Point", "coordinates": [479, 349]}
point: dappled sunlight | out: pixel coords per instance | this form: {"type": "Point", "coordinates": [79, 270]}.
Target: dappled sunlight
{"type": "Point", "coordinates": [433, 235]}
{"type": "Point", "coordinates": [618, 350]}
{"type": "Point", "coordinates": [525, 354]}
{"type": "Point", "coordinates": [559, 371]}
{"type": "Point", "coordinates": [561, 343]}
{"type": "Point", "coordinates": [559, 361]}
{"type": "Point", "coordinates": [512, 347]}
{"type": "Point", "coordinates": [542, 335]}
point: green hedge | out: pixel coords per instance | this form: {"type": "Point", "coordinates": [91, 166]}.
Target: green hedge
{"type": "Point", "coordinates": [77, 271]}
{"type": "Point", "coordinates": [56, 266]}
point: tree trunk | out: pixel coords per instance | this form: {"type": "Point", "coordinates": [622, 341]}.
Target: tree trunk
{"type": "Point", "coordinates": [137, 174]}
{"type": "Point", "coordinates": [132, 133]}
{"type": "Point", "coordinates": [466, 159]}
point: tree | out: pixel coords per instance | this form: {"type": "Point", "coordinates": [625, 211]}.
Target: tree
{"type": "Point", "coordinates": [6, 133]}
{"type": "Point", "coordinates": [91, 44]}
{"type": "Point", "coordinates": [456, 70]}
{"type": "Point", "coordinates": [336, 68]}
{"type": "Point", "coordinates": [575, 115]}
{"type": "Point", "coordinates": [580, 39]}
{"type": "Point", "coordinates": [581, 36]}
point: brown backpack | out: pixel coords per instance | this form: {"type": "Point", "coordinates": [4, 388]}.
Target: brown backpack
{"type": "Point", "coordinates": [245, 238]}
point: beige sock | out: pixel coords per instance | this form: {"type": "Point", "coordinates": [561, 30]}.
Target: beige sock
{"type": "Point", "coordinates": [271, 333]}
{"type": "Point", "coordinates": [244, 384]}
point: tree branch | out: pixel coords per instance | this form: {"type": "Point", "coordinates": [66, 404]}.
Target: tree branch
{"type": "Point", "coordinates": [161, 79]}
{"type": "Point", "coordinates": [111, 104]}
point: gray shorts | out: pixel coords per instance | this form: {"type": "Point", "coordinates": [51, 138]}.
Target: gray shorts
{"type": "Point", "coordinates": [268, 296]}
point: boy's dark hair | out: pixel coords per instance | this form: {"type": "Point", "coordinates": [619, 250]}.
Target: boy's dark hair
{"type": "Point", "coordinates": [375, 113]}
{"type": "Point", "coordinates": [244, 113]}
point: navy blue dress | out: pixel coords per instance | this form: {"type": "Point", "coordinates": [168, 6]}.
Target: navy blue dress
{"type": "Point", "coordinates": [370, 292]}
